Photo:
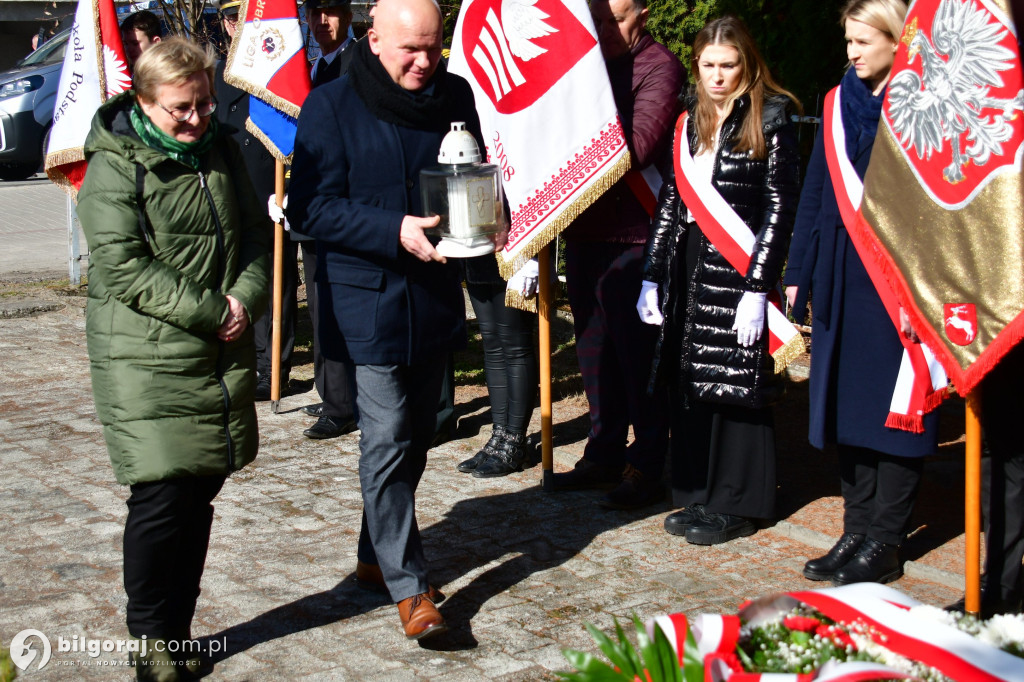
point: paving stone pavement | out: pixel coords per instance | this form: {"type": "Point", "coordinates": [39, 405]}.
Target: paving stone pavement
{"type": "Point", "coordinates": [523, 568]}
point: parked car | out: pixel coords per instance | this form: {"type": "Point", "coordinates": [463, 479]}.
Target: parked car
{"type": "Point", "coordinates": [27, 95]}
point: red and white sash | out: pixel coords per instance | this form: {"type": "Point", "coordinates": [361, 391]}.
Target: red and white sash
{"type": "Point", "coordinates": [730, 235]}
{"type": "Point", "coordinates": [921, 382]}
{"type": "Point", "coordinates": [645, 185]}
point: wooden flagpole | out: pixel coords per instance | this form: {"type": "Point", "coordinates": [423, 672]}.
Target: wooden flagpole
{"type": "Point", "coordinates": [972, 504]}
{"type": "Point", "coordinates": [275, 362]}
{"type": "Point", "coordinates": [544, 348]}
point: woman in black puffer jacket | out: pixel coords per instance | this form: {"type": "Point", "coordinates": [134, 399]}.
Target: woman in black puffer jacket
{"type": "Point", "coordinates": [714, 341]}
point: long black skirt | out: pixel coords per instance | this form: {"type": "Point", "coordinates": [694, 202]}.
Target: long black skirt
{"type": "Point", "coordinates": [723, 457]}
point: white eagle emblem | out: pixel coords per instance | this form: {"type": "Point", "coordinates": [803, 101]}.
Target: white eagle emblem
{"type": "Point", "coordinates": [960, 65]}
{"type": "Point", "coordinates": [523, 21]}
{"type": "Point", "coordinates": [115, 72]}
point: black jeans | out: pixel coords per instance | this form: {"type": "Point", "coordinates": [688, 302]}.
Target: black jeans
{"type": "Point", "coordinates": [165, 541]}
{"type": "Point", "coordinates": [510, 363]}
{"type": "Point", "coordinates": [879, 492]}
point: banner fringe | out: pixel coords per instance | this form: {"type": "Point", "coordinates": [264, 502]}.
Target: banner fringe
{"type": "Point", "coordinates": [545, 236]}
{"type": "Point", "coordinates": [255, 131]}
{"type": "Point", "coordinates": [914, 423]}
{"type": "Point", "coordinates": [789, 352]}
{"type": "Point", "coordinates": [515, 299]}
{"type": "Point", "coordinates": [270, 98]}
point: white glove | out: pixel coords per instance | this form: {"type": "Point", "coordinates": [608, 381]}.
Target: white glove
{"type": "Point", "coordinates": [277, 212]}
{"type": "Point", "coordinates": [749, 324]}
{"type": "Point", "coordinates": [647, 304]}
{"type": "Point", "coordinates": [525, 281]}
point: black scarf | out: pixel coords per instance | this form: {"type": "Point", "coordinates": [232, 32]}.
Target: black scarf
{"type": "Point", "coordinates": [391, 103]}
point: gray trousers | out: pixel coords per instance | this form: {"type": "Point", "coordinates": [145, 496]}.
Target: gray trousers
{"type": "Point", "coordinates": [396, 407]}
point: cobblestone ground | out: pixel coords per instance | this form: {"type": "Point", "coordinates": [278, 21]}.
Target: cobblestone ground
{"type": "Point", "coordinates": [523, 569]}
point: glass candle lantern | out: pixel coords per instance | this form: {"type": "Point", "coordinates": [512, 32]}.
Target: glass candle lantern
{"type": "Point", "coordinates": [466, 194]}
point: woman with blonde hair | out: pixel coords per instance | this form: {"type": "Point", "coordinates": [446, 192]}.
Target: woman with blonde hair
{"type": "Point", "coordinates": [856, 348]}
{"type": "Point", "coordinates": [735, 140]}
{"type": "Point", "coordinates": [177, 266]}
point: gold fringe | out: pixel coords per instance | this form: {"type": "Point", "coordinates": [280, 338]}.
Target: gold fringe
{"type": "Point", "coordinates": [545, 235]}
{"type": "Point", "coordinates": [793, 349]}
{"type": "Point", "coordinates": [514, 299]}
{"type": "Point", "coordinates": [100, 66]}
{"type": "Point", "coordinates": [54, 171]}
{"type": "Point", "coordinates": [267, 142]}
{"type": "Point", "coordinates": [264, 94]}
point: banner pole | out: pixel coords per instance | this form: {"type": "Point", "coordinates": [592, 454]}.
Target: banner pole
{"type": "Point", "coordinates": [275, 362]}
{"type": "Point", "coordinates": [544, 348]}
{"type": "Point", "coordinates": [972, 504]}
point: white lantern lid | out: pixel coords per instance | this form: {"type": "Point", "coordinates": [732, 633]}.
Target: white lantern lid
{"type": "Point", "coordinates": [459, 146]}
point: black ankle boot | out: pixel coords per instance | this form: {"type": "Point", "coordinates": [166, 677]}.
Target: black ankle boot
{"type": "Point", "coordinates": [874, 562]}
{"type": "Point", "coordinates": [507, 458]}
{"type": "Point", "coordinates": [824, 567]}
{"type": "Point", "coordinates": [497, 435]}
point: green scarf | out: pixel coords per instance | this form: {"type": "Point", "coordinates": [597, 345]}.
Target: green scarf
{"type": "Point", "coordinates": [187, 153]}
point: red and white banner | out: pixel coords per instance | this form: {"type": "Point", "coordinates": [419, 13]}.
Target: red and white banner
{"type": "Point", "coordinates": [95, 69]}
{"type": "Point", "coordinates": [943, 207]}
{"type": "Point", "coordinates": [546, 110]}
{"type": "Point", "coordinates": [733, 239]}
{"type": "Point", "coordinates": [921, 383]}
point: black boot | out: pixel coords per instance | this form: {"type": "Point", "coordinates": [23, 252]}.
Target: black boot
{"type": "Point", "coordinates": [507, 458]}
{"type": "Point", "coordinates": [874, 562]}
{"type": "Point", "coordinates": [677, 522]}
{"type": "Point", "coordinates": [714, 529]}
{"type": "Point", "coordinates": [497, 435]}
{"type": "Point", "coordinates": [824, 567]}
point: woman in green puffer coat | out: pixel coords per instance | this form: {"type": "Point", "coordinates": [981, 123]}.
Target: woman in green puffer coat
{"type": "Point", "coordinates": [178, 263]}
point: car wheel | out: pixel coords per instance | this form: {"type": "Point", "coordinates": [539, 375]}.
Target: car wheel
{"type": "Point", "coordinates": [46, 145]}
{"type": "Point", "coordinates": [16, 171]}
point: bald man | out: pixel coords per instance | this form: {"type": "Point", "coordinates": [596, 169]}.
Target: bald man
{"type": "Point", "coordinates": [391, 306]}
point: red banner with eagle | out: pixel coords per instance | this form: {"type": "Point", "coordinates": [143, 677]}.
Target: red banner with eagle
{"type": "Point", "coordinates": [943, 206]}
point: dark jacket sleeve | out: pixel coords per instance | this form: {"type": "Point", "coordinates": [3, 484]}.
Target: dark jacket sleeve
{"type": "Point", "coordinates": [780, 195]}
{"type": "Point", "coordinates": [655, 108]}
{"type": "Point", "coordinates": [666, 223]}
{"type": "Point", "coordinates": [808, 210]}
{"type": "Point", "coordinates": [319, 202]}
{"type": "Point", "coordinates": [252, 287]}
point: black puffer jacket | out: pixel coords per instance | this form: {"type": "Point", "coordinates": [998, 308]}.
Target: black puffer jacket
{"type": "Point", "coordinates": [700, 289]}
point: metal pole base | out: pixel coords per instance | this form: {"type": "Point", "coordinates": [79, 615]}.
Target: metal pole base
{"type": "Point", "coordinates": [547, 483]}
{"type": "Point", "coordinates": [275, 405]}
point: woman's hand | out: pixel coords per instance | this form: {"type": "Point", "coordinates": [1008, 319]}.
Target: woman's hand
{"type": "Point", "coordinates": [237, 321]}
{"type": "Point", "coordinates": [791, 294]}
{"type": "Point", "coordinates": [749, 322]}
{"type": "Point", "coordinates": [647, 305]}
{"type": "Point", "coordinates": [906, 328]}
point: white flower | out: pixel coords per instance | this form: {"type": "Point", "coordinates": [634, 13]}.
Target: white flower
{"type": "Point", "coordinates": [1003, 631]}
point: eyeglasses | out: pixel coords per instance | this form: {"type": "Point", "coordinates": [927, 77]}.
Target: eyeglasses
{"type": "Point", "coordinates": [204, 110]}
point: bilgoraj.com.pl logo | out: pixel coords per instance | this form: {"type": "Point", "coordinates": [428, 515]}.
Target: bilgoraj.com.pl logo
{"type": "Point", "coordinates": [33, 648]}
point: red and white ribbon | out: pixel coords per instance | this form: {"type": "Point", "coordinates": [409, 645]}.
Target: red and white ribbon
{"type": "Point", "coordinates": [731, 236]}
{"type": "Point", "coordinates": [955, 654]}
{"type": "Point", "coordinates": [645, 185]}
{"type": "Point", "coordinates": [921, 382]}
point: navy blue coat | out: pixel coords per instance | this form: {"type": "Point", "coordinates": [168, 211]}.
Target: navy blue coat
{"type": "Point", "coordinates": [354, 178]}
{"type": "Point", "coordinates": [855, 348]}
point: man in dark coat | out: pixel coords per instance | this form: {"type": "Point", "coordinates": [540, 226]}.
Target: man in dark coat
{"type": "Point", "coordinates": [390, 304]}
{"type": "Point", "coordinates": [329, 22]}
{"type": "Point", "coordinates": [604, 254]}
{"type": "Point", "coordinates": [233, 109]}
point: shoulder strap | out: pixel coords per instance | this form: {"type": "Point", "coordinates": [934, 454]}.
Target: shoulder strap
{"type": "Point", "coordinates": [140, 206]}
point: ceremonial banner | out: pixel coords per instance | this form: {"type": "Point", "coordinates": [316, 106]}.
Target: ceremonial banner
{"type": "Point", "coordinates": [94, 70]}
{"type": "Point", "coordinates": [546, 110]}
{"type": "Point", "coordinates": [267, 59]}
{"type": "Point", "coordinates": [942, 211]}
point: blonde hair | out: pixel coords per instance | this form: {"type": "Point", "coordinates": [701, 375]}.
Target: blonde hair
{"type": "Point", "coordinates": [755, 80]}
{"type": "Point", "coordinates": [172, 61]}
{"type": "Point", "coordinates": [885, 15]}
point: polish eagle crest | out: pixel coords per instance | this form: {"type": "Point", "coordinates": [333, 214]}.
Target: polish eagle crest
{"type": "Point", "coordinates": [952, 99]}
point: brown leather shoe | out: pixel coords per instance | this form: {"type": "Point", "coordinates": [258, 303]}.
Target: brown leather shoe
{"type": "Point", "coordinates": [420, 617]}
{"type": "Point", "coordinates": [369, 577]}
